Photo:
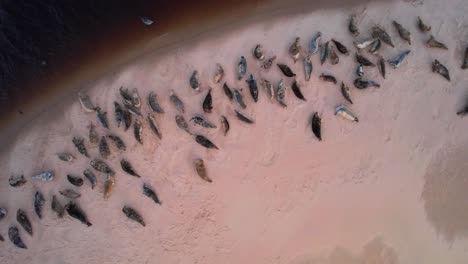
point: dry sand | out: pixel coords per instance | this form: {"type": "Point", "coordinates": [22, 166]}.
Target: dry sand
{"type": "Point", "coordinates": [389, 189]}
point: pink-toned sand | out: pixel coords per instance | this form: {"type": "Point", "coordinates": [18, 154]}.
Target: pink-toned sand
{"type": "Point", "coordinates": [392, 188]}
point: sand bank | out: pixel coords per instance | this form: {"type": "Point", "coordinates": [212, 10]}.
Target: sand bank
{"type": "Point", "coordinates": [389, 189]}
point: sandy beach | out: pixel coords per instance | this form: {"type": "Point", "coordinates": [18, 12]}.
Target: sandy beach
{"type": "Point", "coordinates": [389, 189]}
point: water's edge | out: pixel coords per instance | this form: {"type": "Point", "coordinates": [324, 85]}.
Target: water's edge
{"type": "Point", "coordinates": [117, 48]}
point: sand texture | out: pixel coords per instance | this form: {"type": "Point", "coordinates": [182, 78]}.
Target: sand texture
{"type": "Point", "coordinates": [389, 189]}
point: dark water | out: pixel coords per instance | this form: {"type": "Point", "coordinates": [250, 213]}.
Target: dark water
{"type": "Point", "coordinates": [44, 41]}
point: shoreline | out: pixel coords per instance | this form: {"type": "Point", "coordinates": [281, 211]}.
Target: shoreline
{"type": "Point", "coordinates": [158, 41]}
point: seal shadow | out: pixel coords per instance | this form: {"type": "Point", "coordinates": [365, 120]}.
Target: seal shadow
{"type": "Point", "coordinates": [374, 251]}
{"type": "Point", "coordinates": [445, 191]}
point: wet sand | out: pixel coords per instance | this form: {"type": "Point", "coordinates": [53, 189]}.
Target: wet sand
{"type": "Point", "coordinates": [371, 192]}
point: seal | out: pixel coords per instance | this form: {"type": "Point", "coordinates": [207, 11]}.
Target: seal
{"type": "Point", "coordinates": [108, 186]}
{"type": "Point", "coordinates": [433, 43]}
{"type": "Point", "coordinates": [201, 170]}
{"type": "Point", "coordinates": [75, 180]}
{"type": "Point", "coordinates": [268, 63]}
{"type": "Point", "coordinates": [179, 105]}
{"type": "Point", "coordinates": [317, 126]}
{"type": "Point", "coordinates": [86, 103]}
{"type": "Point", "coordinates": [396, 62]}
{"type": "Point", "coordinates": [38, 203]}
{"type": "Point", "coordinates": [403, 32]}
{"type": "Point", "coordinates": [340, 47]}
{"type": "Point", "coordinates": [352, 27]}
{"type": "Point", "coordinates": [333, 56]}
{"type": "Point", "coordinates": [227, 91]}
{"type": "Point", "coordinates": [132, 109]}
{"type": "Point", "coordinates": [130, 98]}
{"type": "Point", "coordinates": [199, 120]}
{"type": "Point", "coordinates": [323, 52]}
{"type": "Point", "coordinates": [80, 146]}
{"type": "Point", "coordinates": [69, 193]}
{"type": "Point", "coordinates": [286, 70]}
{"type": "Point", "coordinates": [154, 103]}
{"type": "Point", "coordinates": [328, 78]}
{"type": "Point", "coordinates": [364, 44]}
{"type": "Point", "coordinates": [242, 117]}
{"type": "Point", "coordinates": [258, 52]}
{"type": "Point", "coordinates": [423, 27]}
{"type": "Point", "coordinates": [364, 61]}
{"type": "Point", "coordinates": [23, 220]}
{"type": "Point", "coordinates": [92, 134]}
{"type": "Point", "coordinates": [280, 93]}
{"type": "Point", "coordinates": [219, 73]}
{"type": "Point", "coordinates": [3, 213]}
{"type": "Point", "coordinates": [241, 68]}
{"type": "Point", "coordinates": [307, 67]}
{"type": "Point", "coordinates": [138, 131]}
{"type": "Point", "coordinates": [268, 88]}
{"type": "Point", "coordinates": [253, 88]}
{"type": "Point", "coordinates": [239, 98]}
{"type": "Point", "coordinates": [146, 20]}
{"type": "Point", "coordinates": [133, 215]}
{"type": "Point", "coordinates": [128, 168]}
{"type": "Point", "coordinates": [102, 117]}
{"type": "Point", "coordinates": [344, 112]}
{"type": "Point", "coordinates": [118, 142]}
{"type": "Point", "coordinates": [13, 234]}
{"type": "Point", "coordinates": [462, 113]}
{"type": "Point", "coordinates": [91, 177]}
{"type": "Point", "coordinates": [208, 102]}
{"type": "Point", "coordinates": [101, 166]}
{"type": "Point", "coordinates": [17, 181]}
{"type": "Point", "coordinates": [45, 176]}
{"type": "Point", "coordinates": [359, 70]}
{"type": "Point", "coordinates": [345, 91]}
{"type": "Point", "coordinates": [439, 68]}
{"type": "Point", "coordinates": [153, 125]}
{"type": "Point", "coordinates": [76, 212]}
{"type": "Point", "coordinates": [195, 81]}
{"type": "Point", "coordinates": [224, 125]}
{"type": "Point", "coordinates": [126, 95]}
{"type": "Point", "coordinates": [104, 149]}
{"type": "Point", "coordinates": [297, 91]}
{"type": "Point", "coordinates": [375, 46]}
{"type": "Point", "coordinates": [149, 192]}
{"type": "Point", "coordinates": [380, 33]}
{"type": "Point", "coordinates": [315, 43]}
{"type": "Point", "coordinates": [465, 60]}
{"type": "Point", "coordinates": [65, 156]}
{"type": "Point", "coordinates": [363, 84]}
{"type": "Point", "coordinates": [295, 49]}
{"type": "Point", "coordinates": [202, 140]}
{"type": "Point", "coordinates": [381, 66]}
{"type": "Point", "coordinates": [127, 118]}
{"type": "Point", "coordinates": [135, 98]}
{"type": "Point", "coordinates": [57, 207]}
{"type": "Point", "coordinates": [182, 124]}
